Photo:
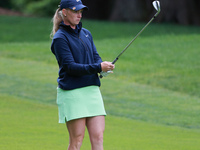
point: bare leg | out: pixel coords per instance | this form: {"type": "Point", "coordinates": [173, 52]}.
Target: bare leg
{"type": "Point", "coordinates": [76, 130]}
{"type": "Point", "coordinates": [96, 126]}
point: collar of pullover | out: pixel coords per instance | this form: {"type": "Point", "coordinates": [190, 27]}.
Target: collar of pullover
{"type": "Point", "coordinates": [68, 28]}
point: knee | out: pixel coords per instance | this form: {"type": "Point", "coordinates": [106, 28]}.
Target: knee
{"type": "Point", "coordinates": [100, 139]}
{"type": "Point", "coordinates": [97, 139]}
{"type": "Point", "coordinates": [76, 142]}
{"type": "Point", "coordinates": [79, 140]}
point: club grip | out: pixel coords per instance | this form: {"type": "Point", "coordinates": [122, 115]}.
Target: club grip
{"type": "Point", "coordinates": [114, 61]}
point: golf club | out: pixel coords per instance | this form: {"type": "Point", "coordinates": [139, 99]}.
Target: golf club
{"type": "Point", "coordinates": [156, 5]}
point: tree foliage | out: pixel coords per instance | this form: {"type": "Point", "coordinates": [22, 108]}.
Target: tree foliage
{"type": "Point", "coordinates": [5, 4]}
{"type": "Point", "coordinates": [36, 7]}
{"type": "Point", "coordinates": [179, 11]}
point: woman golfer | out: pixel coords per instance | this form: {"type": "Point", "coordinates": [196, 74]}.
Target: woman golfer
{"type": "Point", "coordinates": [79, 100]}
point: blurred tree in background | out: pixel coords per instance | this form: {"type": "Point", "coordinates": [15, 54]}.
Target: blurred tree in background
{"type": "Point", "coordinates": [36, 7]}
{"type": "Point", "coordinates": [5, 4]}
{"type": "Point", "coordinates": [179, 11]}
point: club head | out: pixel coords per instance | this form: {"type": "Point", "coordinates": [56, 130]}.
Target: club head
{"type": "Point", "coordinates": [156, 5]}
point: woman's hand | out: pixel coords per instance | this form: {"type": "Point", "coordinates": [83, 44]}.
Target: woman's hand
{"type": "Point", "coordinates": [107, 66]}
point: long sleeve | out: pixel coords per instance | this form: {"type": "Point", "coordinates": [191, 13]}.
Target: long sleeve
{"type": "Point", "coordinates": [66, 60]}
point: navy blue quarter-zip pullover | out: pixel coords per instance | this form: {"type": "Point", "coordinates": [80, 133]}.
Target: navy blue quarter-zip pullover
{"type": "Point", "coordinates": [77, 57]}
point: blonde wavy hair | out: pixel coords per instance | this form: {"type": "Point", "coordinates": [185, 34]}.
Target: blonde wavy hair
{"type": "Point", "coordinates": [57, 19]}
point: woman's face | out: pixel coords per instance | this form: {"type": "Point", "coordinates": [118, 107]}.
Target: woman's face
{"type": "Point", "coordinates": [72, 17]}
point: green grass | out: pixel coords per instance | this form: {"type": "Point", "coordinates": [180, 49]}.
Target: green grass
{"type": "Point", "coordinates": [152, 99]}
{"type": "Point", "coordinates": [30, 125]}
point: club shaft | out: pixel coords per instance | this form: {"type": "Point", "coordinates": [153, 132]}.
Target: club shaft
{"type": "Point", "coordinates": [114, 61]}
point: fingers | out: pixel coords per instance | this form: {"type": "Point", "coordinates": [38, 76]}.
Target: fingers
{"type": "Point", "coordinates": [111, 66]}
{"type": "Point", "coordinates": [106, 66]}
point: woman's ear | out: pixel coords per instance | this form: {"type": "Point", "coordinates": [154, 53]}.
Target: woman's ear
{"type": "Point", "coordinates": [64, 12]}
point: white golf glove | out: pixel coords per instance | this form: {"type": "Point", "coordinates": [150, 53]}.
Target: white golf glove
{"type": "Point", "coordinates": [104, 74]}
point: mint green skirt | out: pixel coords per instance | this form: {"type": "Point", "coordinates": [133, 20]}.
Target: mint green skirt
{"type": "Point", "coordinates": [79, 103]}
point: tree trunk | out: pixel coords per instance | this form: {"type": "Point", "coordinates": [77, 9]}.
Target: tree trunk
{"type": "Point", "coordinates": [129, 10]}
{"type": "Point", "coordinates": [179, 11]}
{"type": "Point", "coordinates": [98, 9]}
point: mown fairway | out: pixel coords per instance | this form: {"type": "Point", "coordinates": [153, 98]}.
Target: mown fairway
{"type": "Point", "coordinates": [152, 99]}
